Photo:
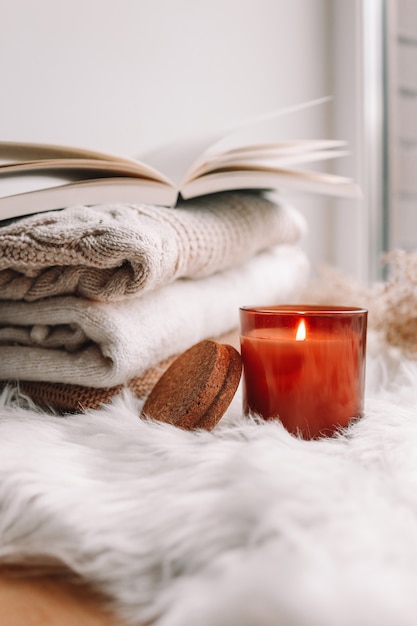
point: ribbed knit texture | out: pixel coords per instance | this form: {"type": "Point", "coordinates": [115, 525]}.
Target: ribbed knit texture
{"type": "Point", "coordinates": [110, 253]}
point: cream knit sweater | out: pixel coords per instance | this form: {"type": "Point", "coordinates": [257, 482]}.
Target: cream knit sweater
{"type": "Point", "coordinates": [101, 344]}
{"type": "Point", "coordinates": [111, 253]}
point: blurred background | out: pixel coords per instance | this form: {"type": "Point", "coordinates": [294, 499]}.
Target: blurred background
{"type": "Point", "coordinates": [126, 75]}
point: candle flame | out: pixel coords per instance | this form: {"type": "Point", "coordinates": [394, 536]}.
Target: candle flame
{"type": "Point", "coordinates": [301, 331]}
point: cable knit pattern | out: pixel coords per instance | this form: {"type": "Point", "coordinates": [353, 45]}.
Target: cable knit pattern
{"type": "Point", "coordinates": [111, 253]}
{"type": "Point", "coordinates": [101, 344]}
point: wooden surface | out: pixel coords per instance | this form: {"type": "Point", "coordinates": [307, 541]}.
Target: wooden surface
{"type": "Point", "coordinates": [50, 601]}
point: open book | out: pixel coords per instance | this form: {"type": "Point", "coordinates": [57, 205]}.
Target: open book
{"type": "Point", "coordinates": [41, 177]}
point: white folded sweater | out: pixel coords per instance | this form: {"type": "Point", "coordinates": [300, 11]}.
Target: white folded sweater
{"type": "Point", "coordinates": [101, 344]}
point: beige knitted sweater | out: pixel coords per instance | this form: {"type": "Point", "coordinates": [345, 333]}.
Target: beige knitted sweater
{"type": "Point", "coordinates": [111, 253]}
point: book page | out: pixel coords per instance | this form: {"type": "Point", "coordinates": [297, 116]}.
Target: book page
{"type": "Point", "coordinates": [51, 194]}
{"type": "Point", "coordinates": [280, 148]}
{"type": "Point", "coordinates": [14, 151]}
{"type": "Point", "coordinates": [31, 156]}
{"type": "Point", "coordinates": [282, 180]}
{"type": "Point", "coordinates": [82, 168]}
{"type": "Point", "coordinates": [18, 184]}
{"type": "Point", "coordinates": [179, 159]}
{"type": "Point", "coordinates": [242, 159]}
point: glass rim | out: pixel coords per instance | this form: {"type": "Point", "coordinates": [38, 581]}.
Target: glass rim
{"type": "Point", "coordinates": [303, 309]}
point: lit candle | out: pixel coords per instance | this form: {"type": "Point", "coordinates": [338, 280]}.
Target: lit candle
{"type": "Point", "coordinates": [304, 365]}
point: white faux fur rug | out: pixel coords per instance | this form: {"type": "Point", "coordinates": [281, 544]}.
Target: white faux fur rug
{"type": "Point", "coordinates": [244, 526]}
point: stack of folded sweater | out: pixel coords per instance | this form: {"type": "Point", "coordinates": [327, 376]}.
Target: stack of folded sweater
{"type": "Point", "coordinates": [94, 299]}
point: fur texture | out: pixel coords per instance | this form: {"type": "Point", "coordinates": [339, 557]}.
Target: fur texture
{"type": "Point", "coordinates": [243, 526]}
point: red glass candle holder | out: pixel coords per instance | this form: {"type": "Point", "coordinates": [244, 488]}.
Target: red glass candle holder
{"type": "Point", "coordinates": [304, 365]}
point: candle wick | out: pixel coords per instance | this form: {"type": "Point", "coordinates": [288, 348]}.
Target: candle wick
{"type": "Point", "coordinates": [301, 331]}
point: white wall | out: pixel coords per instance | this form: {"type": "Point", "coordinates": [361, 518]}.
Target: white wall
{"type": "Point", "coordinates": [125, 75]}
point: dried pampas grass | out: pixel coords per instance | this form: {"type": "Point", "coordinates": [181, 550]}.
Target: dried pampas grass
{"type": "Point", "coordinates": [392, 304]}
